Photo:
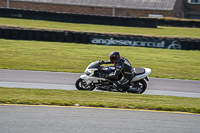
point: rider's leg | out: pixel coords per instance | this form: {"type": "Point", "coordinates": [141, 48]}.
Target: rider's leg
{"type": "Point", "coordinates": [121, 84]}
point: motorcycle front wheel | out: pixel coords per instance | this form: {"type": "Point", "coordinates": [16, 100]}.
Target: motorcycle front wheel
{"type": "Point", "coordinates": [82, 85]}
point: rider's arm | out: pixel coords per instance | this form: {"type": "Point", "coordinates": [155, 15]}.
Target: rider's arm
{"type": "Point", "coordinates": [105, 62]}
{"type": "Point", "coordinates": [116, 73]}
{"type": "Point", "coordinates": [108, 62]}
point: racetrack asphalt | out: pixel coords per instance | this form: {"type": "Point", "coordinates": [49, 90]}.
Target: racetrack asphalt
{"type": "Point", "coordinates": [65, 81]}
{"type": "Point", "coordinates": [51, 119]}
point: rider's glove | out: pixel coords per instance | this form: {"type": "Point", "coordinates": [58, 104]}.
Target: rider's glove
{"type": "Point", "coordinates": [101, 62]}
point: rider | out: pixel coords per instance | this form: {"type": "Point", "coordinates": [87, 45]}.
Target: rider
{"type": "Point", "coordinates": [123, 66]}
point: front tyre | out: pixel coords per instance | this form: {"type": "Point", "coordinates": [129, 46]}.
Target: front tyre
{"type": "Point", "coordinates": [82, 85]}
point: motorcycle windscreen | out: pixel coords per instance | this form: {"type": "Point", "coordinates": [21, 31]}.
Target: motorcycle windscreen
{"type": "Point", "coordinates": [95, 64]}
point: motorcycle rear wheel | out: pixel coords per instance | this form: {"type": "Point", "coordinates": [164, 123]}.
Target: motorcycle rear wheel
{"type": "Point", "coordinates": [141, 86]}
{"type": "Point", "coordinates": [81, 85]}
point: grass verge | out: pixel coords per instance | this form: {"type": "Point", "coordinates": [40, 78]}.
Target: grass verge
{"type": "Point", "coordinates": [71, 57]}
{"type": "Point", "coordinates": [181, 19]}
{"type": "Point", "coordinates": [160, 31]}
{"type": "Point", "coordinates": [98, 99]}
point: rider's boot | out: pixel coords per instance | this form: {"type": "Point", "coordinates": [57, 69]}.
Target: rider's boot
{"type": "Point", "coordinates": [119, 88]}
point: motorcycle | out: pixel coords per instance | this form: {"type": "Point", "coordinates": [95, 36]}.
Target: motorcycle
{"type": "Point", "coordinates": [93, 79]}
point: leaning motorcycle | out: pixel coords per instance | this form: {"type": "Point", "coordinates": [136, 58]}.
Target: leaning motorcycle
{"type": "Point", "coordinates": [93, 79]}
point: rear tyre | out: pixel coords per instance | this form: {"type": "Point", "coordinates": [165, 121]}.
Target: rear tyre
{"type": "Point", "coordinates": [82, 85]}
{"type": "Point", "coordinates": [141, 86]}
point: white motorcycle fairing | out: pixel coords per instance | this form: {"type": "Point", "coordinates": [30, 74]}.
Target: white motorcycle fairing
{"type": "Point", "coordinates": [91, 79]}
{"type": "Point", "coordinates": [142, 76]}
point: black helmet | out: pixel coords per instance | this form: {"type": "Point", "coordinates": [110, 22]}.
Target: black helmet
{"type": "Point", "coordinates": [114, 56]}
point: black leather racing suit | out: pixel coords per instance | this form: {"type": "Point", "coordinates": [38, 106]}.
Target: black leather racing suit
{"type": "Point", "coordinates": [124, 67]}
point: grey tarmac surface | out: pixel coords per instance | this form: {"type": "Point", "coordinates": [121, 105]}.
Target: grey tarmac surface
{"type": "Point", "coordinates": [64, 80]}
{"type": "Point", "coordinates": [45, 119]}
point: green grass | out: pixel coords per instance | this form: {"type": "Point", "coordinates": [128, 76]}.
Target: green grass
{"type": "Point", "coordinates": [160, 31]}
{"type": "Point", "coordinates": [71, 57]}
{"type": "Point", "coordinates": [98, 99]}
{"type": "Point", "coordinates": [181, 19]}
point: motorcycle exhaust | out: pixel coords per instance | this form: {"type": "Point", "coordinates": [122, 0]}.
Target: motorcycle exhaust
{"type": "Point", "coordinates": [133, 90]}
